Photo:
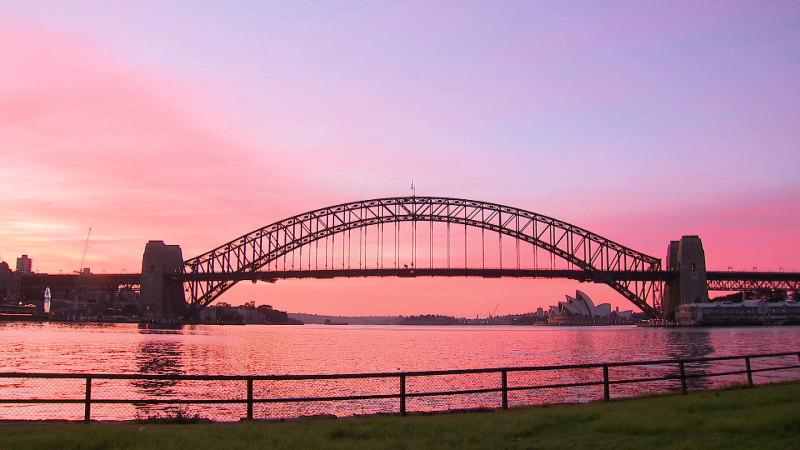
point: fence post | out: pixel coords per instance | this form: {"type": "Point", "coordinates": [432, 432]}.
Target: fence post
{"type": "Point", "coordinates": [249, 399]}
{"type": "Point", "coordinates": [749, 371]}
{"type": "Point", "coordinates": [606, 387]}
{"type": "Point", "coordinates": [402, 395]}
{"type": "Point", "coordinates": [683, 377]}
{"type": "Point", "coordinates": [504, 377]}
{"type": "Point", "coordinates": [87, 408]}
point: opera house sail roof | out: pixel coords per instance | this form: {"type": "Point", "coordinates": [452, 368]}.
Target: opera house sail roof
{"type": "Point", "coordinates": [582, 306]}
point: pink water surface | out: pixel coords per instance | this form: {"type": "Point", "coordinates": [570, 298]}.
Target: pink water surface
{"type": "Point", "coordinates": [318, 349]}
{"type": "Point", "coordinates": [311, 349]}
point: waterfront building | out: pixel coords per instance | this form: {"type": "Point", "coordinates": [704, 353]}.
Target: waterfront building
{"type": "Point", "coordinates": [24, 264]}
{"type": "Point", "coordinates": [747, 312]}
{"type": "Point", "coordinates": [581, 310]}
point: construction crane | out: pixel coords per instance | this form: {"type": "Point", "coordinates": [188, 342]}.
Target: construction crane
{"type": "Point", "coordinates": [85, 249]}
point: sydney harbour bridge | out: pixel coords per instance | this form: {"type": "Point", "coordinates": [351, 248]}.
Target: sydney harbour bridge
{"type": "Point", "coordinates": [417, 236]}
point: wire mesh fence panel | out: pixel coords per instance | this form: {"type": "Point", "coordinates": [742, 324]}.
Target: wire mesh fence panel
{"type": "Point", "coordinates": [42, 388]}
{"type": "Point", "coordinates": [225, 412]}
{"type": "Point", "coordinates": [442, 385]}
{"type": "Point", "coordinates": [656, 379]}
{"type": "Point", "coordinates": [556, 376]}
{"type": "Point", "coordinates": [454, 402]}
{"type": "Point", "coordinates": [338, 408]}
{"type": "Point", "coordinates": [589, 378]}
{"type": "Point", "coordinates": [781, 368]}
{"type": "Point", "coordinates": [145, 411]}
{"type": "Point", "coordinates": [40, 411]}
{"type": "Point", "coordinates": [696, 374]}
{"type": "Point", "coordinates": [724, 373]}
{"type": "Point", "coordinates": [158, 390]}
{"type": "Point", "coordinates": [294, 389]}
{"type": "Point", "coordinates": [125, 397]}
{"type": "Point", "coordinates": [640, 388]}
{"type": "Point", "coordinates": [452, 382]}
{"type": "Point", "coordinates": [554, 396]}
{"type": "Point", "coordinates": [19, 389]}
{"type": "Point", "coordinates": [325, 387]}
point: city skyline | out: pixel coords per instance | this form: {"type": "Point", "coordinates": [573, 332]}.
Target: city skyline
{"type": "Point", "coordinates": [197, 123]}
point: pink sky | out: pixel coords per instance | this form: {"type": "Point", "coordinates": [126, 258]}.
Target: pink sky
{"type": "Point", "coordinates": [195, 124]}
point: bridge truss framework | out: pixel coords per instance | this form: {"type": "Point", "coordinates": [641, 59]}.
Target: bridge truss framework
{"type": "Point", "coordinates": [580, 248]}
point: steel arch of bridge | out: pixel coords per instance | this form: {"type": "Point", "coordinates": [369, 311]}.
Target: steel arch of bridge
{"type": "Point", "coordinates": [580, 247]}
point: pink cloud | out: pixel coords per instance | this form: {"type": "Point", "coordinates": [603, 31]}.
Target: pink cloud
{"type": "Point", "coordinates": [739, 229]}
{"type": "Point", "coordinates": [89, 140]}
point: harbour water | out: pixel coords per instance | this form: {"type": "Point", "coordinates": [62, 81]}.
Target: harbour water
{"type": "Point", "coordinates": [312, 349]}
{"type": "Point", "coordinates": [317, 349]}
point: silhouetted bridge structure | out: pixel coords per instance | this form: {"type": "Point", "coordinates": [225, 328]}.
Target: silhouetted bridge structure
{"type": "Point", "coordinates": [717, 280]}
{"type": "Point", "coordinates": [435, 237]}
{"type": "Point", "coordinates": [744, 281]}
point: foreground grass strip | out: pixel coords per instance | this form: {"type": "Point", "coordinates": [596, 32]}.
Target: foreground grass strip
{"type": "Point", "coordinates": [760, 417]}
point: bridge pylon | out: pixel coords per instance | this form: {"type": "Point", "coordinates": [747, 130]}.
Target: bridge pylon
{"type": "Point", "coordinates": [162, 297]}
{"type": "Point", "coordinates": [691, 286]}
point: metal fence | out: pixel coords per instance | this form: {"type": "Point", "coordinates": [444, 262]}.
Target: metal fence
{"type": "Point", "coordinates": [70, 396]}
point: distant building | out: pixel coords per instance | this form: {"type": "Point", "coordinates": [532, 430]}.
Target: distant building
{"type": "Point", "coordinates": [747, 312]}
{"type": "Point", "coordinates": [624, 314]}
{"type": "Point", "coordinates": [5, 282]}
{"type": "Point", "coordinates": [581, 310]}
{"type": "Point", "coordinates": [24, 264]}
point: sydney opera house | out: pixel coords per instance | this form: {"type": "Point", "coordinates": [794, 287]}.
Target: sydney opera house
{"type": "Point", "coordinates": [581, 310]}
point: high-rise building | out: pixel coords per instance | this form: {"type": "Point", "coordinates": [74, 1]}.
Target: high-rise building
{"type": "Point", "coordinates": [5, 282]}
{"type": "Point", "coordinates": [24, 264]}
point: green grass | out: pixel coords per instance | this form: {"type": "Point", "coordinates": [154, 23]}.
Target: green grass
{"type": "Point", "coordinates": [761, 417]}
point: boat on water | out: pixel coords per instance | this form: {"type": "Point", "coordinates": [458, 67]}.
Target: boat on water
{"type": "Point", "coordinates": [329, 322]}
{"type": "Point", "coordinates": [21, 312]}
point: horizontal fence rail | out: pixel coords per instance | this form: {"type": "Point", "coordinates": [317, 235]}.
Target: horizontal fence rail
{"type": "Point", "coordinates": [31, 396]}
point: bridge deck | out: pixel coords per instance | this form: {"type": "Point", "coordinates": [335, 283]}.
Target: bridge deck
{"type": "Point", "coordinates": [580, 275]}
{"type": "Point", "coordinates": [272, 275]}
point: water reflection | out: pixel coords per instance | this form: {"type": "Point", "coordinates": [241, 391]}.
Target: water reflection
{"type": "Point", "coordinates": [686, 344]}
{"type": "Point", "coordinates": [689, 344]}
{"type": "Point", "coordinates": [161, 358]}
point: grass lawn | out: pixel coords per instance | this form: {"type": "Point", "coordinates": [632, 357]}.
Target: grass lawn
{"type": "Point", "coordinates": [752, 418]}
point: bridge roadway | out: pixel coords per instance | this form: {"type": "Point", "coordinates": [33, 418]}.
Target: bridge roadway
{"type": "Point", "coordinates": [407, 272]}
{"type": "Point", "coordinates": [717, 280]}
{"type": "Point", "coordinates": [267, 275]}
{"type": "Point", "coordinates": [90, 281]}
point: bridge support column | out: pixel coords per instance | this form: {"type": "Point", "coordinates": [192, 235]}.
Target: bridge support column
{"type": "Point", "coordinates": [689, 259]}
{"type": "Point", "coordinates": [161, 298]}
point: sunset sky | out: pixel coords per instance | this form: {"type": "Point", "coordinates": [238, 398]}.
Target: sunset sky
{"type": "Point", "coordinates": [195, 122]}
